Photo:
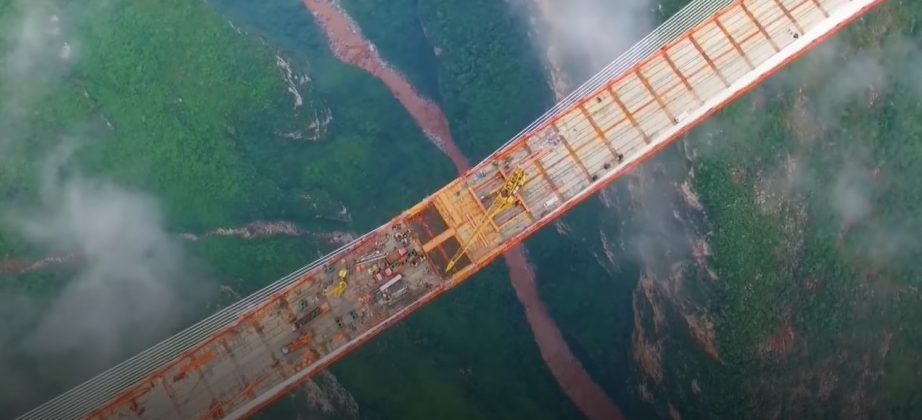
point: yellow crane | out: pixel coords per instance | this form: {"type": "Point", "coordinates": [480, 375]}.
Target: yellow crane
{"type": "Point", "coordinates": [504, 198]}
{"type": "Point", "coordinates": [341, 285]}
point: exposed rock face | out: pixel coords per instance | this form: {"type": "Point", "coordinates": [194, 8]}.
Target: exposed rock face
{"type": "Point", "coordinates": [265, 229]}
{"type": "Point", "coordinates": [326, 208]}
{"type": "Point", "coordinates": [666, 232]}
{"type": "Point", "coordinates": [327, 396]}
{"type": "Point", "coordinates": [350, 46]}
{"type": "Point", "coordinates": [17, 266]}
{"type": "Point", "coordinates": [319, 116]}
{"type": "Point", "coordinates": [260, 229]}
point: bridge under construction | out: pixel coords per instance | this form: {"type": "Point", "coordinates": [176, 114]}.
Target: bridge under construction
{"type": "Point", "coordinates": [238, 360]}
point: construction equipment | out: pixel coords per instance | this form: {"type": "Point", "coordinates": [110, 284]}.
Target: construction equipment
{"type": "Point", "coordinates": [341, 285]}
{"type": "Point", "coordinates": [505, 197]}
{"type": "Point", "coordinates": [299, 342]}
{"type": "Point", "coordinates": [314, 313]}
{"type": "Point", "coordinates": [704, 58]}
{"type": "Point", "coordinates": [338, 289]}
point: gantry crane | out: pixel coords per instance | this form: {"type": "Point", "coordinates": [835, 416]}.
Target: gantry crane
{"type": "Point", "coordinates": [504, 198]}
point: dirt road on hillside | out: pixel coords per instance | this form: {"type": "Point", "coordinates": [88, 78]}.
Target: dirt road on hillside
{"type": "Point", "coordinates": [350, 46]}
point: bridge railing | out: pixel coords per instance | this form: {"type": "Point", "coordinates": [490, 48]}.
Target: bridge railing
{"type": "Point", "coordinates": [95, 392]}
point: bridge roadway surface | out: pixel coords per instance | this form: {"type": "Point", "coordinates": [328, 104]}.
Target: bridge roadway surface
{"type": "Point", "coordinates": [233, 363]}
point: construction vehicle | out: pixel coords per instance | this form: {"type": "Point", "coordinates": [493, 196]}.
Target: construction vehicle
{"type": "Point", "coordinates": [397, 256]}
{"type": "Point", "coordinates": [505, 197]}
{"type": "Point", "coordinates": [705, 58]}
{"type": "Point", "coordinates": [393, 289]}
{"type": "Point", "coordinates": [340, 285]}
{"type": "Point", "coordinates": [314, 313]}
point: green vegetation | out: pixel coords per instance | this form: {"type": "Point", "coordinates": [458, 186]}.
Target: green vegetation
{"type": "Point", "coordinates": [170, 99]}
{"type": "Point", "coordinates": [197, 112]}
{"type": "Point", "coordinates": [397, 30]}
{"type": "Point", "coordinates": [466, 355]}
{"type": "Point", "coordinates": [492, 84]}
{"type": "Point", "coordinates": [840, 276]}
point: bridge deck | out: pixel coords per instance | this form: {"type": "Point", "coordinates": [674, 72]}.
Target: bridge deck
{"type": "Point", "coordinates": [245, 356]}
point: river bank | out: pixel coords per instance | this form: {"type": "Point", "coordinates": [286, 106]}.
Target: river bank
{"type": "Point", "coordinates": [349, 45]}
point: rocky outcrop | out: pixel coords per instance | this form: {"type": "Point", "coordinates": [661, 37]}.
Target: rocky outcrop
{"type": "Point", "coordinates": [318, 116]}
{"type": "Point", "coordinates": [17, 266]}
{"type": "Point", "coordinates": [666, 232]}
{"type": "Point", "coordinates": [326, 396]}
{"type": "Point", "coordinates": [350, 46]}
{"type": "Point", "coordinates": [261, 229]}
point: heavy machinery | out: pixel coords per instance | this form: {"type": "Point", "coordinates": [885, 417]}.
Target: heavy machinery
{"type": "Point", "coordinates": [504, 198]}
{"type": "Point", "coordinates": [340, 285]}
{"type": "Point", "coordinates": [703, 58]}
{"type": "Point", "coordinates": [297, 343]}
{"type": "Point", "coordinates": [310, 316]}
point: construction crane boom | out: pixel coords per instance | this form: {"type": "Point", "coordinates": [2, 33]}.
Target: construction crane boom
{"type": "Point", "coordinates": [238, 360]}
{"type": "Point", "coordinates": [503, 198]}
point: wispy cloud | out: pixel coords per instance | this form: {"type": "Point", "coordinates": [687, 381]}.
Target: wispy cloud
{"type": "Point", "coordinates": [841, 169]}
{"type": "Point", "coordinates": [580, 37]}
{"type": "Point", "coordinates": [131, 285]}
{"type": "Point", "coordinates": [134, 285]}
{"type": "Point", "coordinates": [37, 53]}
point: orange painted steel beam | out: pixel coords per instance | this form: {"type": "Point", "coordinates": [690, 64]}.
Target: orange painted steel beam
{"type": "Point", "coordinates": [790, 17]}
{"type": "Point", "coordinates": [656, 97]}
{"type": "Point", "coordinates": [572, 153]}
{"type": "Point", "coordinates": [126, 397]}
{"type": "Point", "coordinates": [429, 232]}
{"type": "Point", "coordinates": [230, 353]}
{"type": "Point", "coordinates": [608, 86]}
{"type": "Point", "coordinates": [701, 69]}
{"type": "Point", "coordinates": [759, 25]}
{"type": "Point", "coordinates": [771, 22]}
{"type": "Point", "coordinates": [193, 365]}
{"type": "Point", "coordinates": [669, 140]}
{"type": "Point", "coordinates": [480, 237]}
{"type": "Point", "coordinates": [579, 149]}
{"type": "Point", "coordinates": [704, 55]}
{"type": "Point", "coordinates": [482, 209]}
{"type": "Point", "coordinates": [543, 173]}
{"type": "Point", "coordinates": [479, 183]}
{"type": "Point", "coordinates": [600, 135]}
{"type": "Point", "coordinates": [532, 158]}
{"type": "Point", "coordinates": [820, 7]}
{"type": "Point", "coordinates": [678, 134]}
{"type": "Point", "coordinates": [170, 396]}
{"type": "Point", "coordinates": [678, 73]}
{"type": "Point", "coordinates": [275, 362]}
{"type": "Point", "coordinates": [627, 114]}
{"type": "Point", "coordinates": [438, 240]}
{"type": "Point", "coordinates": [741, 86]}
{"type": "Point", "coordinates": [733, 42]}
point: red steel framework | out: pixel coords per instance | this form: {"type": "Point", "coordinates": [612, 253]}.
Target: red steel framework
{"type": "Point", "coordinates": [230, 365]}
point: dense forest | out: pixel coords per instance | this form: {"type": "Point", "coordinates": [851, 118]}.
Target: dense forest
{"type": "Point", "coordinates": [808, 185]}
{"type": "Point", "coordinates": [179, 104]}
